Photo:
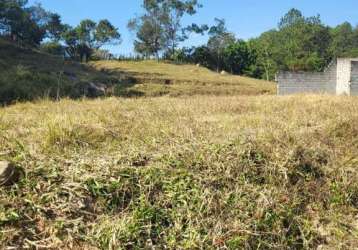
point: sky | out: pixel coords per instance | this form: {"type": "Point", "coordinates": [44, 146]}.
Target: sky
{"type": "Point", "coordinates": [245, 18]}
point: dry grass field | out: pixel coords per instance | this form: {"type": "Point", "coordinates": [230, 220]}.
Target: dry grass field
{"type": "Point", "coordinates": [199, 172]}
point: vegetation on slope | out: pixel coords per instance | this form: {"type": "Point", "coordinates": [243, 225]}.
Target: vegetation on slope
{"type": "Point", "coordinates": [182, 173]}
{"type": "Point", "coordinates": [152, 78]}
{"type": "Point", "coordinates": [27, 74]}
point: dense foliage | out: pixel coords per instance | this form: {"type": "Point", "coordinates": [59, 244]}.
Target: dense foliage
{"type": "Point", "coordinates": [34, 26]}
{"type": "Point", "coordinates": [298, 43]}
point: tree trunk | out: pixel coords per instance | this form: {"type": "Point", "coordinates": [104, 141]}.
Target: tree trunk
{"type": "Point", "coordinates": [267, 73]}
{"type": "Point", "coordinates": [173, 50]}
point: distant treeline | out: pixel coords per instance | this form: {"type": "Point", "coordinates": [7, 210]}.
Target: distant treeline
{"type": "Point", "coordinates": [298, 43]}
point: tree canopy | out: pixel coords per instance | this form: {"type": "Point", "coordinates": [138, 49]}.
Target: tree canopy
{"type": "Point", "coordinates": [34, 26]}
{"type": "Point", "coordinates": [160, 28]}
{"type": "Point", "coordinates": [298, 43]}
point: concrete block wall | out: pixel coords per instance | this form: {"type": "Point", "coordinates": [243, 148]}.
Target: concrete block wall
{"type": "Point", "coordinates": [308, 82]}
{"type": "Point", "coordinates": [354, 78]}
{"type": "Point", "coordinates": [343, 76]}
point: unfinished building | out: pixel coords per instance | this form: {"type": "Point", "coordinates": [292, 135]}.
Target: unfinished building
{"type": "Point", "coordinates": [340, 77]}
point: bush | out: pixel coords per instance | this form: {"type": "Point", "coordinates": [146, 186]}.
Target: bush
{"type": "Point", "coordinates": [23, 84]}
{"type": "Point", "coordinates": [53, 48]}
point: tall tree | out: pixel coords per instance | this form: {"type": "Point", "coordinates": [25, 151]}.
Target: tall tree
{"type": "Point", "coordinates": [150, 39]}
{"type": "Point", "coordinates": [23, 24]}
{"type": "Point", "coordinates": [89, 36]}
{"type": "Point", "coordinates": [36, 25]}
{"type": "Point", "coordinates": [343, 40]}
{"type": "Point", "coordinates": [106, 34]}
{"type": "Point", "coordinates": [305, 42]}
{"type": "Point", "coordinates": [13, 18]}
{"type": "Point", "coordinates": [299, 43]}
{"type": "Point", "coordinates": [219, 40]}
{"type": "Point", "coordinates": [174, 10]}
{"type": "Point", "coordinates": [55, 27]}
{"type": "Point", "coordinates": [160, 27]}
{"type": "Point", "coordinates": [203, 56]}
{"type": "Point", "coordinates": [70, 38]}
{"type": "Point", "coordinates": [291, 18]}
{"type": "Point", "coordinates": [237, 57]}
{"type": "Point", "coordinates": [268, 55]}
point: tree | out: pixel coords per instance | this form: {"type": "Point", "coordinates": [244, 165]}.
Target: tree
{"type": "Point", "coordinates": [203, 56]}
{"type": "Point", "coordinates": [174, 10]}
{"type": "Point", "coordinates": [237, 57]}
{"type": "Point", "coordinates": [36, 24]}
{"type": "Point", "coordinates": [106, 34]}
{"type": "Point", "coordinates": [38, 15]}
{"type": "Point", "coordinates": [55, 27]}
{"type": "Point", "coordinates": [299, 43]}
{"type": "Point", "coordinates": [86, 33]}
{"type": "Point", "coordinates": [268, 54]}
{"type": "Point", "coordinates": [13, 18]}
{"type": "Point", "coordinates": [253, 69]}
{"type": "Point", "coordinates": [150, 39]}
{"type": "Point", "coordinates": [303, 40]}
{"type": "Point", "coordinates": [30, 25]}
{"type": "Point", "coordinates": [181, 55]}
{"type": "Point", "coordinates": [23, 24]}
{"type": "Point", "coordinates": [291, 18]}
{"type": "Point", "coordinates": [89, 36]}
{"type": "Point", "coordinates": [70, 37]}
{"type": "Point", "coordinates": [343, 40]}
{"type": "Point", "coordinates": [219, 40]}
{"type": "Point", "coordinates": [160, 27]}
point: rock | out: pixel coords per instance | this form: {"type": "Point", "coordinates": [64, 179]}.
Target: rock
{"type": "Point", "coordinates": [223, 72]}
{"type": "Point", "coordinates": [96, 90]}
{"type": "Point", "coordinates": [89, 89]}
{"type": "Point", "coordinates": [9, 174]}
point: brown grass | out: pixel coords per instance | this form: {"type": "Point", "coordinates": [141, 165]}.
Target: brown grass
{"type": "Point", "coordinates": [182, 173]}
{"type": "Point", "coordinates": [154, 78]}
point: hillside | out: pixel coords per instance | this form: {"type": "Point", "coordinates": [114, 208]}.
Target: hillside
{"type": "Point", "coordinates": [202, 172]}
{"type": "Point", "coordinates": [154, 79]}
{"type": "Point", "coordinates": [28, 75]}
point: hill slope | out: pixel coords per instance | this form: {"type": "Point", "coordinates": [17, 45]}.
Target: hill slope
{"type": "Point", "coordinates": [153, 78]}
{"type": "Point", "coordinates": [27, 75]}
{"type": "Point", "coordinates": [182, 173]}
